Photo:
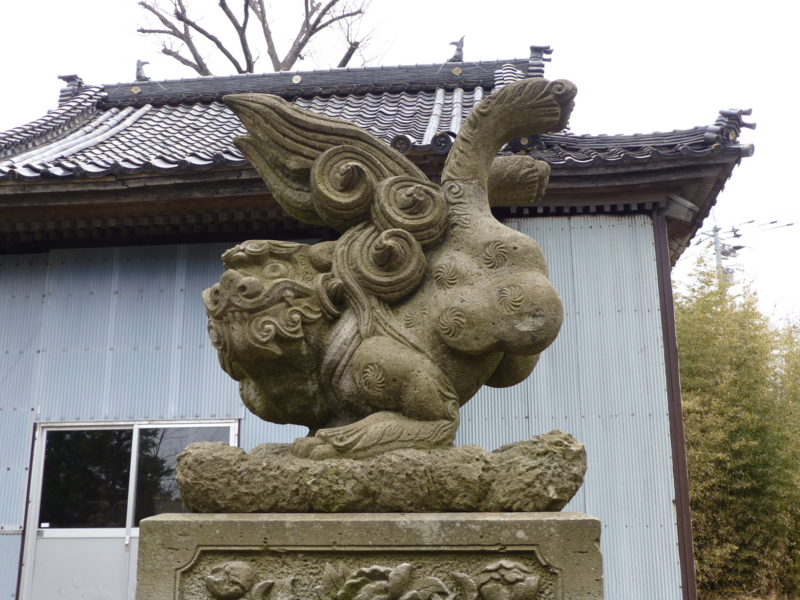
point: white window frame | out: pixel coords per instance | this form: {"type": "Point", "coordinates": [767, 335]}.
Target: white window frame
{"type": "Point", "coordinates": [32, 529]}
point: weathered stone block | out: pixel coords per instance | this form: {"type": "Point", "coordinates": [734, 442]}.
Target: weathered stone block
{"type": "Point", "coordinates": [445, 556]}
{"type": "Point", "coordinates": [540, 474]}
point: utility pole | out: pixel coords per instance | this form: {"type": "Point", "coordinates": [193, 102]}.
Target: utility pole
{"type": "Point", "coordinates": [717, 251]}
{"type": "Point", "coordinates": [722, 251]}
{"type": "Point", "coordinates": [726, 251]}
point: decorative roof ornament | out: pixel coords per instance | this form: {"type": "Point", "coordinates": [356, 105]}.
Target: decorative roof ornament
{"type": "Point", "coordinates": [73, 87]}
{"type": "Point", "coordinates": [140, 76]}
{"type": "Point", "coordinates": [459, 55]}
{"type": "Point", "coordinates": [539, 56]}
{"type": "Point", "coordinates": [728, 126]}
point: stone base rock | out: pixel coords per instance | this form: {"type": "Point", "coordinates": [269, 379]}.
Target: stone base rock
{"type": "Point", "coordinates": [541, 474]}
{"type": "Point", "coordinates": [445, 556]}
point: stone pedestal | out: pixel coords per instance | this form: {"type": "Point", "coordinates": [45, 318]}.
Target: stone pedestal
{"type": "Point", "coordinates": [381, 556]}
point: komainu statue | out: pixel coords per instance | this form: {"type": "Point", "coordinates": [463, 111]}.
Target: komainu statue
{"type": "Point", "coordinates": [375, 340]}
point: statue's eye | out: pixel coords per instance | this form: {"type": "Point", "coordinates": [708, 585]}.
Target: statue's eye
{"type": "Point", "coordinates": [276, 270]}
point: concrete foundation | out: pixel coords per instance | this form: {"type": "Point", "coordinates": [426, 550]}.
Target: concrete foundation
{"type": "Point", "coordinates": [379, 556]}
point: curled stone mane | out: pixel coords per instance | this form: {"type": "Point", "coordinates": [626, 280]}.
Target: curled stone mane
{"type": "Point", "coordinates": [285, 141]}
{"type": "Point", "coordinates": [327, 171]}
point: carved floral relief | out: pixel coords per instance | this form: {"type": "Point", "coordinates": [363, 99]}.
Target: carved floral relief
{"type": "Point", "coordinates": [501, 580]}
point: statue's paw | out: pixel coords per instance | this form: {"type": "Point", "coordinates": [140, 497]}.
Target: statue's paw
{"type": "Point", "coordinates": [304, 447]}
{"type": "Point", "coordinates": [324, 452]}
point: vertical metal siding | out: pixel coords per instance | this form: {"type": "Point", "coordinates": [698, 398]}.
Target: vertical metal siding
{"type": "Point", "coordinates": [9, 564]}
{"type": "Point", "coordinates": [22, 287]}
{"type": "Point", "coordinates": [72, 368]}
{"type": "Point", "coordinates": [603, 381]}
{"type": "Point", "coordinates": [16, 436]}
{"type": "Point", "coordinates": [126, 328]}
{"type": "Point", "coordinates": [203, 382]}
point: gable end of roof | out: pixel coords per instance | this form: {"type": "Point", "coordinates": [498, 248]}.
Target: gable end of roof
{"type": "Point", "coordinates": [54, 124]}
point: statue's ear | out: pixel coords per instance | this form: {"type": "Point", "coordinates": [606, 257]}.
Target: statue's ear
{"type": "Point", "coordinates": [517, 179]}
{"type": "Point", "coordinates": [285, 141]}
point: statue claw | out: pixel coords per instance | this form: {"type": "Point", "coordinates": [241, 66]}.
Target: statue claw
{"type": "Point", "coordinates": [324, 452]}
{"type": "Point", "coordinates": [304, 447]}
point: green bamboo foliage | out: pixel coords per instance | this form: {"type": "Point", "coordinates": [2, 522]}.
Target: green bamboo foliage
{"type": "Point", "coordinates": [740, 380]}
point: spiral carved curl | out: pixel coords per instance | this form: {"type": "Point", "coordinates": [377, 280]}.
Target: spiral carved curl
{"type": "Point", "coordinates": [389, 264]}
{"type": "Point", "coordinates": [387, 226]}
{"type": "Point", "coordinates": [342, 185]}
{"type": "Point", "coordinates": [412, 205]}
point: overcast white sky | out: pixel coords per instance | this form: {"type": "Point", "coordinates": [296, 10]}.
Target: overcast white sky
{"type": "Point", "coordinates": [639, 66]}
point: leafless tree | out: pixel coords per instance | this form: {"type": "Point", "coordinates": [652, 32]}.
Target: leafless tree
{"type": "Point", "coordinates": [179, 32]}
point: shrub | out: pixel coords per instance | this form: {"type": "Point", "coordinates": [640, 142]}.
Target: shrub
{"type": "Point", "coordinates": [740, 381]}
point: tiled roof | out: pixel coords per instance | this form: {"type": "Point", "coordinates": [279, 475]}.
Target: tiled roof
{"type": "Point", "coordinates": [134, 140]}
{"type": "Point", "coordinates": [587, 150]}
{"type": "Point", "coordinates": [182, 125]}
{"type": "Point", "coordinates": [65, 118]}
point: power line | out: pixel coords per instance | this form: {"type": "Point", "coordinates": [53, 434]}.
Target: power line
{"type": "Point", "coordinates": [725, 251]}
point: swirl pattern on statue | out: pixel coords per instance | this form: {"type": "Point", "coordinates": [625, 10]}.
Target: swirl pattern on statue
{"type": "Point", "coordinates": [261, 303]}
{"type": "Point", "coordinates": [342, 183]}
{"type": "Point", "coordinates": [387, 264]}
{"type": "Point", "coordinates": [413, 206]}
{"type": "Point", "coordinates": [219, 337]}
{"type": "Point", "coordinates": [288, 324]}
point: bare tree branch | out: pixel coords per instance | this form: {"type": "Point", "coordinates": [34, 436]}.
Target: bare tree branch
{"type": "Point", "coordinates": [241, 31]}
{"type": "Point", "coordinates": [161, 17]}
{"type": "Point", "coordinates": [334, 20]}
{"type": "Point", "coordinates": [318, 15]}
{"type": "Point", "coordinates": [348, 55]}
{"type": "Point", "coordinates": [187, 39]}
{"type": "Point", "coordinates": [156, 31]}
{"type": "Point", "coordinates": [184, 18]}
{"type": "Point", "coordinates": [182, 60]}
{"type": "Point", "coordinates": [260, 11]}
{"type": "Point", "coordinates": [310, 28]}
{"type": "Point", "coordinates": [355, 40]}
{"type": "Point", "coordinates": [322, 13]}
{"type": "Point", "coordinates": [185, 36]}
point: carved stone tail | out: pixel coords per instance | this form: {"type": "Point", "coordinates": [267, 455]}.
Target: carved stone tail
{"type": "Point", "coordinates": [527, 107]}
{"type": "Point", "coordinates": [286, 141]}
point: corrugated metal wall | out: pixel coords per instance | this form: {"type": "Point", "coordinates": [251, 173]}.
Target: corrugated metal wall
{"type": "Point", "coordinates": [126, 328]}
{"type": "Point", "coordinates": [9, 564]}
{"type": "Point", "coordinates": [22, 289]}
{"type": "Point", "coordinates": [603, 381]}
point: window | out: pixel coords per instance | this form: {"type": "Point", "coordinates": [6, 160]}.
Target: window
{"type": "Point", "coordinates": [90, 488]}
{"type": "Point", "coordinates": [86, 478]}
{"type": "Point", "coordinates": [156, 482]}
